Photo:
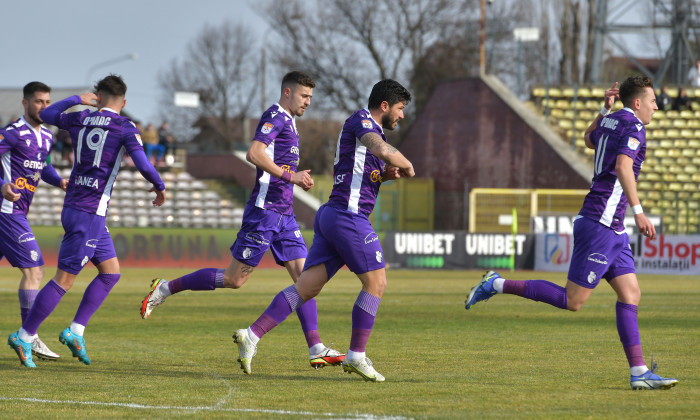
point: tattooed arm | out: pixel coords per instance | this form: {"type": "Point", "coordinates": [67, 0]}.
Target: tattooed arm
{"type": "Point", "coordinates": [387, 153]}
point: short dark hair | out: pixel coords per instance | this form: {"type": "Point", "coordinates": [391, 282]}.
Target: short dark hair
{"type": "Point", "coordinates": [32, 87]}
{"type": "Point", "coordinates": [297, 78]}
{"type": "Point", "coordinates": [390, 91]}
{"type": "Point", "coordinates": [633, 87]}
{"type": "Point", "coordinates": [112, 85]}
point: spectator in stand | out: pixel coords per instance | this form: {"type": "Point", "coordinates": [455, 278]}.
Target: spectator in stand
{"type": "Point", "coordinates": [65, 146]}
{"type": "Point", "coordinates": [150, 143]}
{"type": "Point", "coordinates": [166, 139]}
{"type": "Point", "coordinates": [664, 101]}
{"type": "Point", "coordinates": [682, 101]}
{"type": "Point", "coordinates": [694, 74]}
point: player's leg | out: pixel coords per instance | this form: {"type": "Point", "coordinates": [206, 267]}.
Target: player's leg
{"type": "Point", "coordinates": [319, 354]}
{"type": "Point", "coordinates": [252, 241]}
{"type": "Point", "coordinates": [628, 296]}
{"type": "Point", "coordinates": [28, 290]}
{"type": "Point", "coordinates": [284, 303]}
{"type": "Point", "coordinates": [363, 314]}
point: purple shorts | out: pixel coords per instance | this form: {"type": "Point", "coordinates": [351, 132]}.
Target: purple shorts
{"type": "Point", "coordinates": [599, 252]}
{"type": "Point", "coordinates": [265, 229]}
{"type": "Point", "coordinates": [17, 242]}
{"type": "Point", "coordinates": [86, 239]}
{"type": "Point", "coordinates": [344, 238]}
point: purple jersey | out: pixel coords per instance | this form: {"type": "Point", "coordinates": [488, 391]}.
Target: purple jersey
{"type": "Point", "coordinates": [100, 139]}
{"type": "Point", "coordinates": [620, 133]}
{"type": "Point", "coordinates": [357, 173]}
{"type": "Point", "coordinates": [278, 131]}
{"type": "Point", "coordinates": [23, 151]}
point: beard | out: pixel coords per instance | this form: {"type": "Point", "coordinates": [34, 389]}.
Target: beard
{"type": "Point", "coordinates": [34, 116]}
{"type": "Point", "coordinates": [388, 123]}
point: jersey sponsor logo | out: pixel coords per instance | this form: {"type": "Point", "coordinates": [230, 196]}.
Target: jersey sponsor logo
{"type": "Point", "coordinates": [33, 164]}
{"type": "Point", "coordinates": [375, 176]}
{"type": "Point", "coordinates": [257, 239]}
{"type": "Point", "coordinates": [34, 255]}
{"type": "Point", "coordinates": [287, 168]}
{"type": "Point", "coordinates": [379, 256]}
{"type": "Point", "coordinates": [24, 133]}
{"type": "Point", "coordinates": [372, 237]}
{"type": "Point", "coordinates": [591, 277]}
{"type": "Point", "coordinates": [632, 143]}
{"type": "Point", "coordinates": [366, 123]}
{"type": "Point", "coordinates": [598, 258]}
{"type": "Point", "coordinates": [26, 237]}
{"type": "Point", "coordinates": [92, 243]}
{"type": "Point", "coordinates": [294, 150]}
{"type": "Point", "coordinates": [266, 128]}
{"type": "Point", "coordinates": [97, 120]}
{"type": "Point", "coordinates": [21, 184]}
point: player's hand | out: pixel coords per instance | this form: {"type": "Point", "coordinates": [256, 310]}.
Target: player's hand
{"type": "Point", "coordinates": [610, 96]}
{"type": "Point", "coordinates": [89, 99]}
{"type": "Point", "coordinates": [8, 193]}
{"type": "Point", "coordinates": [160, 197]}
{"type": "Point", "coordinates": [390, 173]}
{"type": "Point", "coordinates": [303, 179]}
{"type": "Point", "coordinates": [645, 226]}
{"type": "Point", "coordinates": [407, 172]}
{"type": "Point", "coordinates": [64, 184]}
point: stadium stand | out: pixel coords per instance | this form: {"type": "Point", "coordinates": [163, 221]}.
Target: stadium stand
{"type": "Point", "coordinates": [190, 204]}
{"type": "Point", "coordinates": [669, 182]}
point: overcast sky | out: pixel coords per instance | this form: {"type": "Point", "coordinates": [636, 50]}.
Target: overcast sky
{"type": "Point", "coordinates": [66, 39]}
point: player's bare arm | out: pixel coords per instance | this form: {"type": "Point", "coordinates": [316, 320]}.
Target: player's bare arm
{"type": "Point", "coordinates": [8, 193]}
{"type": "Point", "coordinates": [388, 153]}
{"type": "Point", "coordinates": [625, 173]}
{"type": "Point", "coordinates": [610, 96]}
{"type": "Point", "coordinates": [257, 156]}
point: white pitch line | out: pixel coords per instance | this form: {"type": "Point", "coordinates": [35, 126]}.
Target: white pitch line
{"type": "Point", "coordinates": [205, 408]}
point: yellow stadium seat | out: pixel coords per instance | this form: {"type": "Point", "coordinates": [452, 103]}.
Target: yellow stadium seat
{"type": "Point", "coordinates": [672, 92]}
{"type": "Point", "coordinates": [652, 176]}
{"type": "Point", "coordinates": [687, 133]}
{"type": "Point", "coordinates": [554, 92]}
{"type": "Point", "coordinates": [584, 92]}
{"type": "Point", "coordinates": [567, 92]}
{"type": "Point", "coordinates": [689, 153]}
{"type": "Point", "coordinates": [687, 114]}
{"type": "Point", "coordinates": [672, 133]}
{"type": "Point", "coordinates": [679, 123]}
{"type": "Point", "coordinates": [660, 153]}
{"type": "Point", "coordinates": [680, 143]}
{"type": "Point", "coordinates": [538, 91]}
{"type": "Point", "coordinates": [672, 113]}
{"type": "Point", "coordinates": [598, 92]}
{"type": "Point", "coordinates": [665, 123]}
{"type": "Point", "coordinates": [565, 124]}
{"type": "Point", "coordinates": [690, 187]}
{"type": "Point", "coordinates": [666, 143]}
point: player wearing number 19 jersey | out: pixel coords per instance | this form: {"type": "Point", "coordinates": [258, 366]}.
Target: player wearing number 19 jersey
{"type": "Point", "coordinates": [601, 246]}
{"type": "Point", "coordinates": [100, 139]}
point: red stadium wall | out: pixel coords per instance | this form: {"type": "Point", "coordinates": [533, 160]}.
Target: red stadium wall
{"type": "Point", "coordinates": [466, 137]}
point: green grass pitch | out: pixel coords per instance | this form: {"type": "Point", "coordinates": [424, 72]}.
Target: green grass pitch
{"type": "Point", "coordinates": [505, 358]}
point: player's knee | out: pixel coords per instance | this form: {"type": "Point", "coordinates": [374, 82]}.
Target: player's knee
{"type": "Point", "coordinates": [574, 305]}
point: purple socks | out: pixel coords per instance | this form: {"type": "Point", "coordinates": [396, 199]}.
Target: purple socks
{"type": "Point", "coordinates": [204, 279]}
{"type": "Point", "coordinates": [628, 329]}
{"type": "Point", "coordinates": [308, 317]}
{"type": "Point", "coordinates": [282, 305]}
{"type": "Point", "coordinates": [537, 290]}
{"type": "Point", "coordinates": [94, 295]}
{"type": "Point", "coordinates": [26, 300]}
{"type": "Point", "coordinates": [46, 301]}
{"type": "Point", "coordinates": [363, 313]}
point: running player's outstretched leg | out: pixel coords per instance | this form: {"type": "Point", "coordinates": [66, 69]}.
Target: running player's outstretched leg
{"type": "Point", "coordinates": [538, 290]}
{"type": "Point", "coordinates": [204, 279]}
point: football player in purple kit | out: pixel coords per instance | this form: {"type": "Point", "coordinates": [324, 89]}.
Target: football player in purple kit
{"type": "Point", "coordinates": [100, 139]}
{"type": "Point", "coordinates": [343, 234]}
{"type": "Point", "coordinates": [24, 146]}
{"type": "Point", "coordinates": [601, 246]}
{"type": "Point", "coordinates": [268, 219]}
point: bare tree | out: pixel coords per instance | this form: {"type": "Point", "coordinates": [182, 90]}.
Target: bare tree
{"type": "Point", "coordinates": [219, 65]}
{"type": "Point", "coordinates": [350, 45]}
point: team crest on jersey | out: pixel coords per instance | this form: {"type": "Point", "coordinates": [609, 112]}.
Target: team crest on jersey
{"type": "Point", "coordinates": [591, 277]}
{"type": "Point", "coordinates": [246, 253]}
{"type": "Point", "coordinates": [84, 261]}
{"type": "Point", "coordinates": [379, 256]}
{"type": "Point", "coordinates": [632, 143]}
{"type": "Point", "coordinates": [366, 123]}
{"type": "Point", "coordinates": [266, 128]}
{"type": "Point", "coordinates": [2, 137]}
{"type": "Point", "coordinates": [34, 255]}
